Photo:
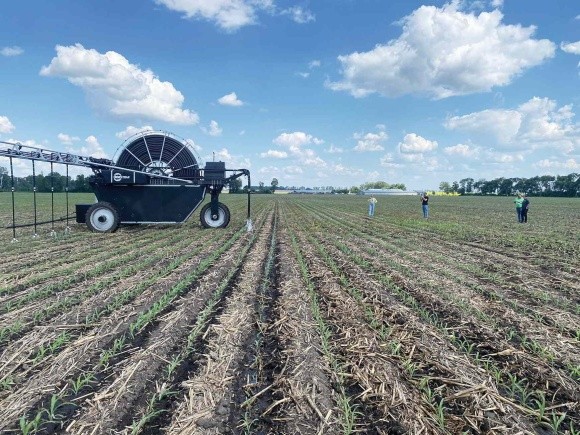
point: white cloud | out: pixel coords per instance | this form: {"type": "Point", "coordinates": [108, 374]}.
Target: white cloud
{"type": "Point", "coordinates": [275, 154]}
{"type": "Point", "coordinates": [334, 150]}
{"type": "Point", "coordinates": [544, 122]}
{"type": "Point", "coordinates": [118, 87]}
{"type": "Point", "coordinates": [213, 130]}
{"type": "Point", "coordinates": [538, 122]}
{"type": "Point", "coordinates": [130, 131]}
{"type": "Point", "coordinates": [504, 124]}
{"type": "Point", "coordinates": [311, 65]}
{"type": "Point", "coordinates": [571, 47]}
{"type": "Point", "coordinates": [567, 165]}
{"type": "Point", "coordinates": [413, 143]}
{"type": "Point", "coordinates": [462, 150]}
{"type": "Point", "coordinates": [91, 148]}
{"type": "Point", "coordinates": [295, 142]}
{"type": "Point", "coordinates": [293, 170]}
{"type": "Point", "coordinates": [11, 51]}
{"type": "Point", "coordinates": [231, 161]}
{"type": "Point", "coordinates": [299, 15]}
{"type": "Point", "coordinates": [388, 161]}
{"type": "Point", "coordinates": [5, 125]}
{"type": "Point", "coordinates": [193, 144]}
{"type": "Point", "coordinates": [444, 52]}
{"type": "Point", "coordinates": [370, 141]}
{"type": "Point", "coordinates": [230, 100]}
{"type": "Point", "coordinates": [505, 158]}
{"type": "Point", "coordinates": [65, 139]}
{"type": "Point", "coordinates": [497, 3]}
{"type": "Point", "coordinates": [230, 15]}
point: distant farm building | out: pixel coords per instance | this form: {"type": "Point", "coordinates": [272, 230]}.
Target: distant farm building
{"type": "Point", "coordinates": [308, 191]}
{"type": "Point", "coordinates": [391, 192]}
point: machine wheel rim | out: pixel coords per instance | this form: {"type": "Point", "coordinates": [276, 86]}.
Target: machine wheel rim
{"type": "Point", "coordinates": [102, 219]}
{"type": "Point", "coordinates": [215, 223]}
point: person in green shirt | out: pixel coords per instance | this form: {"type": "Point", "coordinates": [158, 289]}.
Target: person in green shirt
{"type": "Point", "coordinates": [519, 201]}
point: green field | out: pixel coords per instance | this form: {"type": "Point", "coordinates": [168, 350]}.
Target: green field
{"type": "Point", "coordinates": [320, 320]}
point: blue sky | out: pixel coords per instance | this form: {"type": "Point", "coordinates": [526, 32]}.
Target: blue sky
{"type": "Point", "coordinates": [313, 93]}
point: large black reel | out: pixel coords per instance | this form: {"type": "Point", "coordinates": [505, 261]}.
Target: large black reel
{"type": "Point", "coordinates": [158, 153]}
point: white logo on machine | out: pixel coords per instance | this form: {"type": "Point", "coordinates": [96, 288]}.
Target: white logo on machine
{"type": "Point", "coordinates": [118, 177]}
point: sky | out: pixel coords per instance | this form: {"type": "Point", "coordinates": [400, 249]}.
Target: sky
{"type": "Point", "coordinates": [310, 92]}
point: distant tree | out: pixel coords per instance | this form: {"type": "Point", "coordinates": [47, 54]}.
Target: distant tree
{"type": "Point", "coordinates": [3, 174]}
{"type": "Point", "coordinates": [445, 186]}
{"type": "Point", "coordinates": [355, 189]}
{"type": "Point", "coordinates": [546, 181]}
{"type": "Point", "coordinates": [382, 185]}
{"type": "Point", "coordinates": [505, 186]}
{"type": "Point", "coordinates": [274, 184]}
{"type": "Point", "coordinates": [81, 184]}
{"type": "Point", "coordinates": [455, 186]}
{"type": "Point", "coordinates": [235, 185]}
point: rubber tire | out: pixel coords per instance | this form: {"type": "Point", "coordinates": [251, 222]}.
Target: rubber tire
{"type": "Point", "coordinates": [223, 216]}
{"type": "Point", "coordinates": [107, 212]}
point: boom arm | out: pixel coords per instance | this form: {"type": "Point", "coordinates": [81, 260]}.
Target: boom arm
{"type": "Point", "coordinates": [27, 152]}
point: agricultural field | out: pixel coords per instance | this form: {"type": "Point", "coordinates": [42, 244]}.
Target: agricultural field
{"type": "Point", "coordinates": [318, 321]}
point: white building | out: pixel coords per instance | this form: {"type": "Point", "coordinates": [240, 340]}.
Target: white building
{"type": "Point", "coordinates": [392, 192]}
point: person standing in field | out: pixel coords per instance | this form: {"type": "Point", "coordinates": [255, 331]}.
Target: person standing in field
{"type": "Point", "coordinates": [519, 201]}
{"type": "Point", "coordinates": [372, 203]}
{"type": "Point", "coordinates": [525, 207]}
{"type": "Point", "coordinates": [425, 205]}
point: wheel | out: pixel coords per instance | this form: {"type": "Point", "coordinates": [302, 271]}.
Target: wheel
{"type": "Point", "coordinates": [221, 220]}
{"type": "Point", "coordinates": [102, 218]}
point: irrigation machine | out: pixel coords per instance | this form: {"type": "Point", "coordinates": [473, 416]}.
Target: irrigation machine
{"type": "Point", "coordinates": [154, 178]}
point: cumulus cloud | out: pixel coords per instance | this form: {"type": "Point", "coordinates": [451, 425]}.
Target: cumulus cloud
{"type": "Point", "coordinates": [462, 150]}
{"type": "Point", "coordinates": [539, 122]}
{"type": "Point", "coordinates": [504, 124]}
{"type": "Point", "coordinates": [11, 51]}
{"type": "Point", "coordinates": [388, 161]}
{"type": "Point", "coordinates": [571, 47]}
{"type": "Point", "coordinates": [118, 87]}
{"type": "Point", "coordinates": [299, 15]}
{"type": "Point", "coordinates": [230, 15]}
{"type": "Point", "coordinates": [5, 125]}
{"type": "Point", "coordinates": [230, 100]}
{"type": "Point", "coordinates": [567, 165]}
{"type": "Point", "coordinates": [66, 139]}
{"type": "Point", "coordinates": [293, 170]}
{"type": "Point", "coordinates": [413, 143]}
{"type": "Point", "coordinates": [213, 130]}
{"type": "Point", "coordinates": [130, 131]}
{"type": "Point", "coordinates": [295, 142]}
{"type": "Point", "coordinates": [505, 157]}
{"type": "Point", "coordinates": [443, 52]}
{"type": "Point", "coordinates": [231, 161]}
{"type": "Point", "coordinates": [370, 141]}
{"type": "Point", "coordinates": [91, 148]}
{"type": "Point", "coordinates": [275, 154]}
{"type": "Point", "coordinates": [296, 139]}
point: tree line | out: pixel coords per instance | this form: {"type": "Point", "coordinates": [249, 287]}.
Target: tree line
{"type": "Point", "coordinates": [45, 183]}
{"type": "Point", "coordinates": [541, 185]}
